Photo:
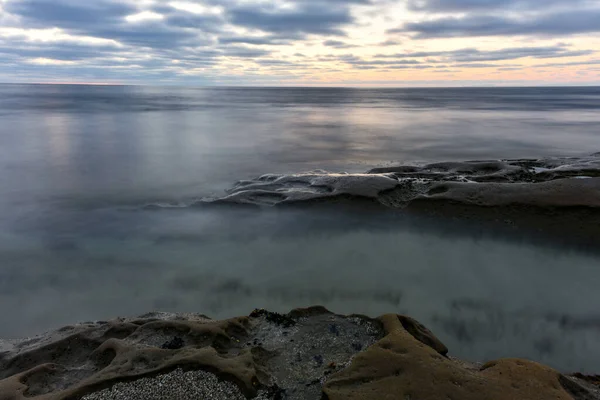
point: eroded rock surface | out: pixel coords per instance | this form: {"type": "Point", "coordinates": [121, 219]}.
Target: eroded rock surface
{"type": "Point", "coordinates": [401, 367]}
{"type": "Point", "coordinates": [548, 182]}
{"type": "Point", "coordinates": [306, 354]}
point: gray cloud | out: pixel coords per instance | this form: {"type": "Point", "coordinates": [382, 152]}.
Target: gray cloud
{"type": "Point", "coordinates": [106, 19]}
{"type": "Point", "coordinates": [475, 65]}
{"type": "Point", "coordinates": [72, 52]}
{"type": "Point", "coordinates": [151, 34]}
{"type": "Point", "coordinates": [69, 14]}
{"type": "Point", "coordinates": [383, 62]}
{"type": "Point", "coordinates": [390, 42]}
{"type": "Point", "coordinates": [206, 23]}
{"type": "Point", "coordinates": [270, 40]}
{"type": "Point", "coordinates": [177, 29]}
{"type": "Point", "coordinates": [180, 41]}
{"type": "Point", "coordinates": [338, 44]}
{"type": "Point", "coordinates": [570, 64]}
{"type": "Point", "coordinates": [461, 58]}
{"type": "Point", "coordinates": [245, 52]}
{"type": "Point", "coordinates": [487, 5]}
{"type": "Point", "coordinates": [555, 24]}
{"type": "Point", "coordinates": [511, 53]}
{"type": "Point", "coordinates": [309, 17]}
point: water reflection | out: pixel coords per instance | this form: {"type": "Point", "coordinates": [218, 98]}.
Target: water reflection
{"type": "Point", "coordinates": [141, 142]}
{"type": "Point", "coordinates": [487, 296]}
{"type": "Point", "coordinates": [78, 164]}
{"type": "Point", "coordinates": [60, 144]}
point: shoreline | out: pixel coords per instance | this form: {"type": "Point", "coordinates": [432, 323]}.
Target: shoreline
{"type": "Point", "coordinates": [544, 182]}
{"type": "Point", "coordinates": [306, 354]}
{"type": "Point", "coordinates": [554, 200]}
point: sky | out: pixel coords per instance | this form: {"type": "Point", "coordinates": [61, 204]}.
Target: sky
{"type": "Point", "coordinates": [301, 42]}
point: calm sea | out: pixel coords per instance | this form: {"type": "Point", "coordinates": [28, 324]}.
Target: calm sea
{"type": "Point", "coordinates": [79, 165]}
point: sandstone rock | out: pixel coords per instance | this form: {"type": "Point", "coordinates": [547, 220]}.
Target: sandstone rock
{"type": "Point", "coordinates": [306, 354]}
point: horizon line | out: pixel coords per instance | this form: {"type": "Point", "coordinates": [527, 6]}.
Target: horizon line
{"type": "Point", "coordinates": [316, 86]}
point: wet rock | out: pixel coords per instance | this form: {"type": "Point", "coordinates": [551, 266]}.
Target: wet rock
{"type": "Point", "coordinates": [544, 182]}
{"type": "Point", "coordinates": [593, 379]}
{"type": "Point", "coordinates": [576, 389]}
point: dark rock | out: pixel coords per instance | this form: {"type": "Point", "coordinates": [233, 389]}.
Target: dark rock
{"type": "Point", "coordinates": [319, 360]}
{"type": "Point", "coordinates": [575, 389]}
{"type": "Point", "coordinates": [309, 312]}
{"type": "Point", "coordinates": [312, 383]}
{"type": "Point", "coordinates": [357, 346]}
{"type": "Point", "coordinates": [275, 318]}
{"type": "Point", "coordinates": [422, 334]}
{"type": "Point", "coordinates": [174, 344]}
{"type": "Point", "coordinates": [276, 393]}
{"type": "Point", "coordinates": [334, 329]}
{"type": "Point", "coordinates": [593, 379]}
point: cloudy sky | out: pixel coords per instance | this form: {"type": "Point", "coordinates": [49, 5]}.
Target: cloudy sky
{"type": "Point", "coordinates": [301, 42]}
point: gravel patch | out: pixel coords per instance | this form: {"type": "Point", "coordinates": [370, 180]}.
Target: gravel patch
{"type": "Point", "coordinates": [177, 385]}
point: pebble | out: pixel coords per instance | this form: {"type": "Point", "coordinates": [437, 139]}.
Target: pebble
{"type": "Point", "coordinates": [177, 385]}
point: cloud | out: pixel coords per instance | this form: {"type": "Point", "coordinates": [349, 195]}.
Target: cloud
{"type": "Point", "coordinates": [461, 58]}
{"type": "Point", "coordinates": [180, 23]}
{"type": "Point", "coordinates": [511, 53]}
{"type": "Point", "coordinates": [444, 6]}
{"type": "Point", "coordinates": [257, 41]}
{"type": "Point", "coordinates": [72, 52]}
{"type": "Point", "coordinates": [307, 17]}
{"type": "Point", "coordinates": [108, 19]}
{"type": "Point", "coordinates": [475, 65]}
{"type": "Point", "coordinates": [580, 21]}
{"type": "Point", "coordinates": [338, 44]}
{"type": "Point", "coordinates": [571, 63]}
{"type": "Point", "coordinates": [390, 42]}
{"type": "Point", "coordinates": [245, 52]}
{"type": "Point", "coordinates": [270, 40]}
{"type": "Point", "coordinates": [383, 62]}
{"type": "Point", "coordinates": [69, 14]}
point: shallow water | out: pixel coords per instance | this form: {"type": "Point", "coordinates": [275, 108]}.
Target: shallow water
{"type": "Point", "coordinates": [79, 164]}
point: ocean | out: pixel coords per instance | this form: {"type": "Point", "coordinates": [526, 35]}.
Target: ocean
{"type": "Point", "coordinates": [99, 212]}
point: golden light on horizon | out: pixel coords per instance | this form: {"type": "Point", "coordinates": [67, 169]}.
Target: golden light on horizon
{"type": "Point", "coordinates": [285, 41]}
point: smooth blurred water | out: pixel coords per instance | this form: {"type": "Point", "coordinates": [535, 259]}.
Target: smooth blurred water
{"type": "Point", "coordinates": [79, 163]}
